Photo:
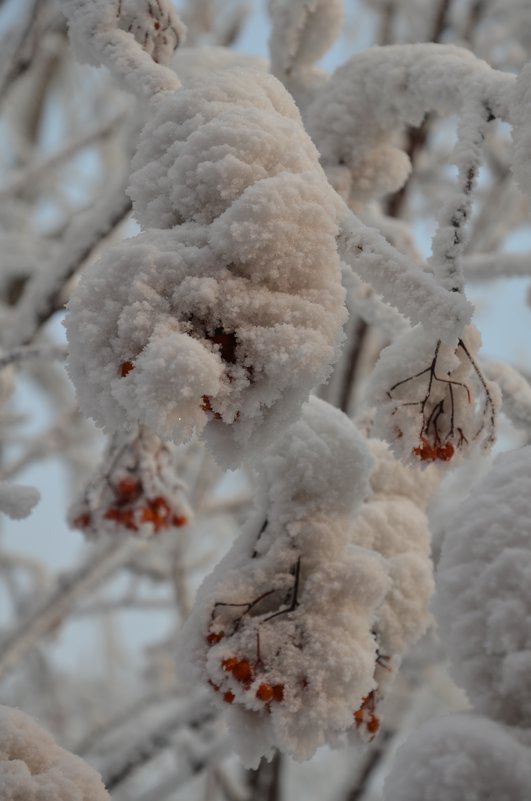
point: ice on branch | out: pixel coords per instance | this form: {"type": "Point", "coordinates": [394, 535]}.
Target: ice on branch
{"type": "Point", "coordinates": [136, 490]}
{"type": "Point", "coordinates": [16, 500]}
{"type": "Point", "coordinates": [225, 320]}
{"type": "Point", "coordinates": [282, 629]}
{"type": "Point", "coordinates": [33, 766]}
{"type": "Point", "coordinates": [393, 523]}
{"type": "Point", "coordinates": [483, 603]}
{"type": "Point", "coordinates": [377, 93]}
{"type": "Point", "coordinates": [432, 401]}
{"type": "Point", "coordinates": [133, 38]}
{"type": "Point", "coordinates": [460, 757]}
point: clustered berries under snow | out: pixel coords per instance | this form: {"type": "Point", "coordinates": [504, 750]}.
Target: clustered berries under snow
{"type": "Point", "coordinates": [483, 603]}
{"type": "Point", "coordinates": [136, 490]}
{"type": "Point", "coordinates": [34, 768]}
{"type": "Point", "coordinates": [282, 629]}
{"type": "Point", "coordinates": [432, 402]}
{"type": "Point", "coordinates": [227, 311]}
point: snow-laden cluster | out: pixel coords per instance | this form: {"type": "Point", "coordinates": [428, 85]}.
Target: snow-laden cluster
{"type": "Point", "coordinates": [460, 757]}
{"type": "Point", "coordinates": [135, 491]}
{"type": "Point", "coordinates": [133, 38]}
{"type": "Point", "coordinates": [432, 402]}
{"type": "Point", "coordinates": [34, 768]}
{"type": "Point", "coordinates": [379, 92]}
{"type": "Point", "coordinates": [393, 523]}
{"type": "Point", "coordinates": [282, 629]}
{"type": "Point", "coordinates": [483, 603]}
{"type": "Point", "coordinates": [228, 309]}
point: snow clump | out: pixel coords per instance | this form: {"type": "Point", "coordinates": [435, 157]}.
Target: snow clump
{"type": "Point", "coordinates": [34, 768]}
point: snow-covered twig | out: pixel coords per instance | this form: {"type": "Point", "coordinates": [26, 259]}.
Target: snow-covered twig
{"type": "Point", "coordinates": [40, 169]}
{"type": "Point", "coordinates": [379, 92]}
{"type": "Point", "coordinates": [133, 38]}
{"type": "Point", "coordinates": [28, 352]}
{"type": "Point", "coordinates": [15, 645]}
{"type": "Point", "coordinates": [515, 389]}
{"type": "Point", "coordinates": [482, 267]}
{"type": "Point", "coordinates": [41, 296]}
{"type": "Point", "coordinates": [407, 288]}
{"type": "Point", "coordinates": [194, 713]}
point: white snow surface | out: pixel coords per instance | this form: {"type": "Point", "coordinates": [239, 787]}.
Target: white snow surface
{"type": "Point", "coordinates": [192, 63]}
{"type": "Point", "coordinates": [483, 603]}
{"type": "Point", "coordinates": [228, 309]}
{"type": "Point", "coordinates": [34, 768]}
{"type": "Point", "coordinates": [307, 598]}
{"type": "Point", "coordinates": [393, 523]}
{"type": "Point", "coordinates": [460, 758]}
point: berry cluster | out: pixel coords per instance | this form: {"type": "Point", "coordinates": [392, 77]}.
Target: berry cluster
{"type": "Point", "coordinates": [248, 676]}
{"type": "Point", "coordinates": [136, 491]}
{"type": "Point", "coordinates": [434, 451]}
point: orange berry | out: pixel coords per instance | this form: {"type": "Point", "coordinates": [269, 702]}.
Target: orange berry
{"type": "Point", "coordinates": [230, 663]}
{"type": "Point", "coordinates": [179, 520]}
{"type": "Point", "coordinates": [264, 693]}
{"type": "Point", "coordinates": [127, 489]}
{"type": "Point", "coordinates": [278, 692]}
{"type": "Point", "coordinates": [373, 724]}
{"type": "Point", "coordinates": [228, 697]}
{"type": "Point", "coordinates": [242, 672]}
{"type": "Point", "coordinates": [445, 452]}
{"type": "Point", "coordinates": [125, 368]}
{"type": "Point", "coordinates": [214, 637]}
{"type": "Point", "coordinates": [82, 521]}
{"type": "Point", "coordinates": [128, 520]}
